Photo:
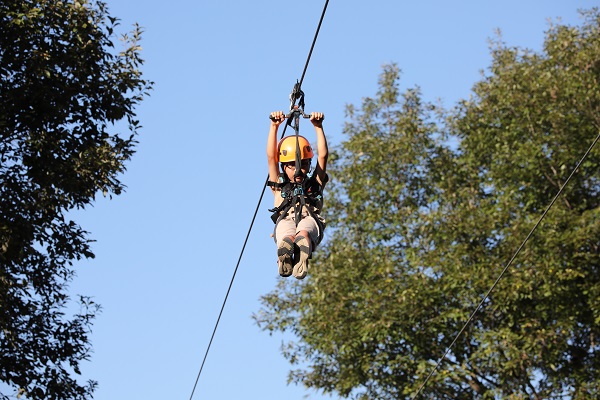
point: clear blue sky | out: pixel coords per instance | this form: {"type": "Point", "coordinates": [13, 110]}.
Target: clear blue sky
{"type": "Point", "coordinates": [167, 248]}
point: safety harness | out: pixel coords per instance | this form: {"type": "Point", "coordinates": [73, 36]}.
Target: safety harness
{"type": "Point", "coordinates": [306, 194]}
{"type": "Point", "coordinates": [309, 191]}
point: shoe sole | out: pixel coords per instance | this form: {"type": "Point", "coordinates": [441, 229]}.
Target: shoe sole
{"type": "Point", "coordinates": [301, 267]}
{"type": "Point", "coordinates": [285, 251]}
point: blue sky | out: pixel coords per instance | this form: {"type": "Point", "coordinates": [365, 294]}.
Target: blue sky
{"type": "Point", "coordinates": [167, 248]}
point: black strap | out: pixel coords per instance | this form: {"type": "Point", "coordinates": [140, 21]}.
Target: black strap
{"type": "Point", "coordinates": [297, 196]}
{"type": "Point", "coordinates": [274, 185]}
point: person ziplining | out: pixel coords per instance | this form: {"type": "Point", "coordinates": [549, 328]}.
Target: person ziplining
{"type": "Point", "coordinates": [298, 192]}
{"type": "Point", "coordinates": [298, 240]}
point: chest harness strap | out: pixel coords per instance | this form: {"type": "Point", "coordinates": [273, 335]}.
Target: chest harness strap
{"type": "Point", "coordinates": [299, 196]}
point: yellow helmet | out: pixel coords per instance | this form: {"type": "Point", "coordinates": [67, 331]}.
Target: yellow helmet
{"type": "Point", "coordinates": [287, 149]}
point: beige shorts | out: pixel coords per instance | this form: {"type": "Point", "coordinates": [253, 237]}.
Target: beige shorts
{"type": "Point", "coordinates": [287, 227]}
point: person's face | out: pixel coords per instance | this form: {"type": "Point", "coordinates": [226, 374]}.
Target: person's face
{"type": "Point", "coordinates": [290, 170]}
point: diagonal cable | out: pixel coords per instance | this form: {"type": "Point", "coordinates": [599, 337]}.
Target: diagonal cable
{"type": "Point", "coordinates": [313, 43]}
{"type": "Point", "coordinates": [507, 266]}
{"type": "Point", "coordinates": [229, 289]}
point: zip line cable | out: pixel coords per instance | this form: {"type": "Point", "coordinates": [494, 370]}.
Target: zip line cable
{"type": "Point", "coordinates": [228, 291]}
{"type": "Point", "coordinates": [507, 266]}
{"type": "Point", "coordinates": [297, 87]}
{"type": "Point", "coordinates": [313, 43]}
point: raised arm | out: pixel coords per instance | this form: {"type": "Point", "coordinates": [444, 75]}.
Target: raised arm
{"type": "Point", "coordinates": [322, 150]}
{"type": "Point", "coordinates": [277, 117]}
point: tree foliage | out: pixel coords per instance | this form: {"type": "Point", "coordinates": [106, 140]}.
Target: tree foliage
{"type": "Point", "coordinates": [427, 207]}
{"type": "Point", "coordinates": [63, 89]}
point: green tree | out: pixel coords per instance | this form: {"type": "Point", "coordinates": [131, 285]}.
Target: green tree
{"type": "Point", "coordinates": [63, 89]}
{"type": "Point", "coordinates": [421, 227]}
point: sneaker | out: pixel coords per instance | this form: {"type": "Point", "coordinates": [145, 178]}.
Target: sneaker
{"type": "Point", "coordinates": [302, 248]}
{"type": "Point", "coordinates": [285, 251]}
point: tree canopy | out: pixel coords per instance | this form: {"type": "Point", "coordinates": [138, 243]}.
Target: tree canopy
{"type": "Point", "coordinates": [67, 128]}
{"type": "Point", "coordinates": [426, 208]}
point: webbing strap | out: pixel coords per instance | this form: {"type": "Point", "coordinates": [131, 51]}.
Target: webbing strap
{"type": "Point", "coordinates": [298, 198]}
